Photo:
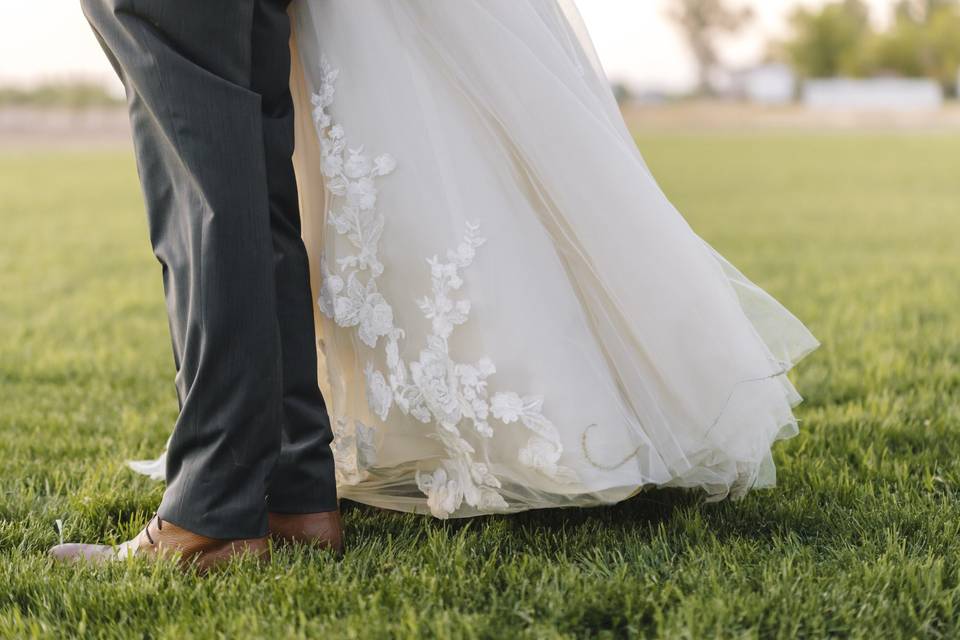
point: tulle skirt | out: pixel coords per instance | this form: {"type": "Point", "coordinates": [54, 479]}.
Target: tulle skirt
{"type": "Point", "coordinates": [510, 313]}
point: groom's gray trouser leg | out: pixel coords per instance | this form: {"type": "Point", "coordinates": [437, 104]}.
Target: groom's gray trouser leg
{"type": "Point", "coordinates": [212, 118]}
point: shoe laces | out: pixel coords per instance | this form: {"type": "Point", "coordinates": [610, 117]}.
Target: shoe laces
{"type": "Point", "coordinates": [159, 527]}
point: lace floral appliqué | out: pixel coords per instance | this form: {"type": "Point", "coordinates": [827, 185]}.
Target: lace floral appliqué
{"type": "Point", "coordinates": [434, 389]}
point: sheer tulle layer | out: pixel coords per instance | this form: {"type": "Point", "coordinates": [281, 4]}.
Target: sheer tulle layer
{"type": "Point", "coordinates": [579, 341]}
{"type": "Point", "coordinates": [657, 362]}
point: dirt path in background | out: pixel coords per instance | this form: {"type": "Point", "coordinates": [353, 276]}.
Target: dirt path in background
{"type": "Point", "coordinates": [32, 128]}
{"type": "Point", "coordinates": [706, 116]}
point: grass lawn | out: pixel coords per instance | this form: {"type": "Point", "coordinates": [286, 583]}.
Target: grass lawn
{"type": "Point", "coordinates": [858, 234]}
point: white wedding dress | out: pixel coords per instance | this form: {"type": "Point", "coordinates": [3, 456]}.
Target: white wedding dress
{"type": "Point", "coordinates": [511, 315]}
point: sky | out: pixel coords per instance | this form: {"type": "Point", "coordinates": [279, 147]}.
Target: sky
{"type": "Point", "coordinates": [635, 41]}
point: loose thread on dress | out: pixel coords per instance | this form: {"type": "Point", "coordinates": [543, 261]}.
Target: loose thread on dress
{"type": "Point", "coordinates": [586, 452]}
{"type": "Point", "coordinates": [785, 368]}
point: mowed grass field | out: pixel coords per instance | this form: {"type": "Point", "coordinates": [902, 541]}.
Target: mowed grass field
{"type": "Point", "coordinates": [858, 233]}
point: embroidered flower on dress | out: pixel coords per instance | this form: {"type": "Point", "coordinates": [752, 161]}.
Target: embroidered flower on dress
{"type": "Point", "coordinates": [366, 445]}
{"type": "Point", "coordinates": [354, 450]}
{"type": "Point", "coordinates": [357, 165]}
{"type": "Point", "coordinates": [384, 164]}
{"type": "Point", "coordinates": [434, 388]}
{"type": "Point", "coordinates": [543, 450]}
{"type": "Point", "coordinates": [507, 407]}
{"type": "Point", "coordinates": [363, 307]}
{"type": "Point", "coordinates": [378, 391]}
{"type": "Point", "coordinates": [361, 194]}
{"type": "Point", "coordinates": [331, 285]}
{"type": "Point", "coordinates": [435, 376]}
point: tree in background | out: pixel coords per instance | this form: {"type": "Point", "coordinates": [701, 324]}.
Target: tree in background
{"type": "Point", "coordinates": [621, 92]}
{"type": "Point", "coordinates": [923, 42]}
{"type": "Point", "coordinates": [920, 10]}
{"type": "Point", "coordinates": [839, 40]}
{"type": "Point", "coordinates": [829, 42]}
{"type": "Point", "coordinates": [703, 23]}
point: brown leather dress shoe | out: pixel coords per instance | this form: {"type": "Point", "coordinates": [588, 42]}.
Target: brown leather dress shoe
{"type": "Point", "coordinates": [321, 529]}
{"type": "Point", "coordinates": [161, 538]}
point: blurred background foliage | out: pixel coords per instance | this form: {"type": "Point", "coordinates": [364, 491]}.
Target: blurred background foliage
{"type": "Point", "coordinates": [840, 39]}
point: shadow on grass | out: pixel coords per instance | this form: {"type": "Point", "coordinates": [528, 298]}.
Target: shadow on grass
{"type": "Point", "coordinates": [764, 517]}
{"type": "Point", "coordinates": [642, 513]}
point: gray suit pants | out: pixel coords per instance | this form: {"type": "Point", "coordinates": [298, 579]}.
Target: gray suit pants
{"type": "Point", "coordinates": [207, 83]}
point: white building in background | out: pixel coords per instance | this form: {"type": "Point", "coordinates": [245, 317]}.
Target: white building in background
{"type": "Point", "coordinates": [896, 94]}
{"type": "Point", "coordinates": [774, 83]}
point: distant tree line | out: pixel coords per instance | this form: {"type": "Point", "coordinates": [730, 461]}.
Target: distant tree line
{"type": "Point", "coordinates": [59, 94]}
{"type": "Point", "coordinates": [703, 24]}
{"type": "Point", "coordinates": [836, 39]}
{"type": "Point", "coordinates": [840, 39]}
